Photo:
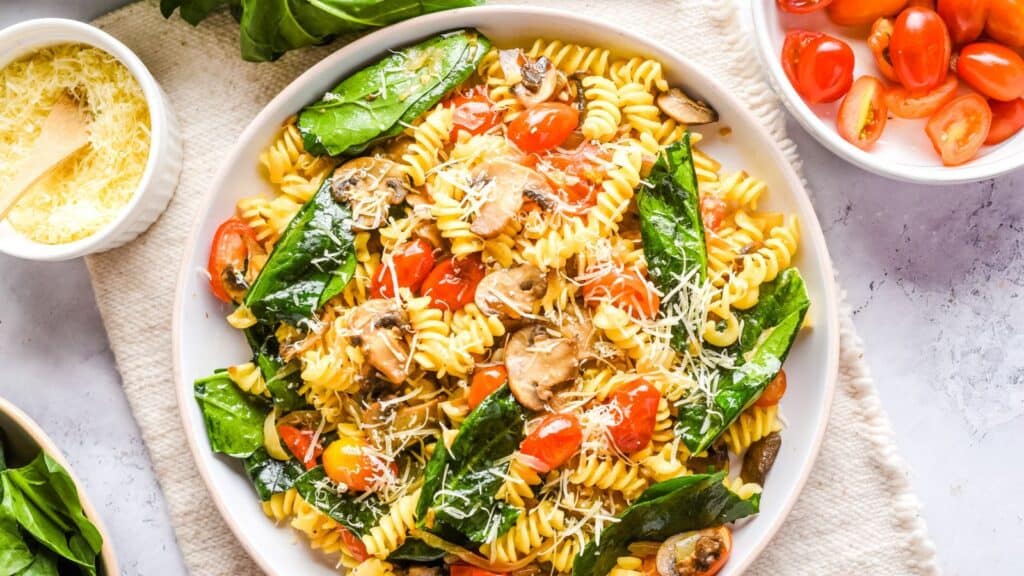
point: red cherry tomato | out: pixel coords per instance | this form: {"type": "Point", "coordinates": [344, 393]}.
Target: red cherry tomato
{"type": "Point", "coordinates": [486, 379]}
{"type": "Point", "coordinates": [920, 49]}
{"type": "Point", "coordinates": [353, 544]}
{"type": "Point", "coordinates": [452, 283]}
{"type": "Point", "coordinates": [467, 570]}
{"type": "Point", "coordinates": [353, 462]}
{"type": "Point", "coordinates": [774, 391]}
{"type": "Point", "coordinates": [792, 47]}
{"type": "Point", "coordinates": [819, 66]}
{"type": "Point", "coordinates": [904, 105]}
{"type": "Point", "coordinates": [575, 173]}
{"type": "Point", "coordinates": [473, 112]}
{"type": "Point", "coordinates": [553, 442]}
{"type": "Point", "coordinates": [543, 126]}
{"type": "Point", "coordinates": [965, 19]}
{"type": "Point", "coordinates": [298, 442]}
{"type": "Point", "coordinates": [802, 6]}
{"type": "Point", "coordinates": [1007, 120]}
{"type": "Point", "coordinates": [859, 12]}
{"type": "Point", "coordinates": [878, 41]}
{"type": "Point", "coordinates": [959, 128]}
{"type": "Point", "coordinates": [1005, 22]}
{"type": "Point", "coordinates": [234, 244]}
{"type": "Point", "coordinates": [638, 404]}
{"type": "Point", "coordinates": [627, 289]}
{"type": "Point", "coordinates": [713, 211]}
{"type": "Point", "coordinates": [992, 69]}
{"type": "Point", "coordinates": [408, 266]}
{"type": "Point", "coordinates": [863, 113]}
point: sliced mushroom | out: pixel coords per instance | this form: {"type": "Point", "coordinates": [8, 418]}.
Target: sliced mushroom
{"type": "Point", "coordinates": [760, 457]}
{"type": "Point", "coordinates": [377, 327]}
{"type": "Point", "coordinates": [537, 362]}
{"type": "Point", "coordinates": [683, 109]}
{"type": "Point", "coordinates": [504, 183]}
{"type": "Point", "coordinates": [404, 418]}
{"type": "Point", "coordinates": [715, 459]}
{"type": "Point", "coordinates": [371, 186]}
{"type": "Point", "coordinates": [511, 292]}
{"type": "Point", "coordinates": [539, 82]}
{"type": "Point", "coordinates": [694, 553]}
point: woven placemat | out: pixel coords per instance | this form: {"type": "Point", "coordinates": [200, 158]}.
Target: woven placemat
{"type": "Point", "coordinates": [856, 514]}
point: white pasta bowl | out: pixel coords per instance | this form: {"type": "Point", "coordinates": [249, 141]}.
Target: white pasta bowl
{"type": "Point", "coordinates": [23, 441]}
{"type": "Point", "coordinates": [904, 151]}
{"type": "Point", "coordinates": [203, 341]}
{"type": "Point", "coordinates": [160, 177]}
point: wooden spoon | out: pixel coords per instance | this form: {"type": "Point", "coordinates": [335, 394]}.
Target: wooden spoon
{"type": "Point", "coordinates": [66, 130]}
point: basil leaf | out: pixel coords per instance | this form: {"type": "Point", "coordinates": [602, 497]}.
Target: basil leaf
{"type": "Point", "coordinates": [460, 483]}
{"type": "Point", "coordinates": [678, 505]}
{"type": "Point", "coordinates": [353, 511]}
{"type": "Point", "coordinates": [270, 476]}
{"type": "Point", "coordinates": [234, 419]}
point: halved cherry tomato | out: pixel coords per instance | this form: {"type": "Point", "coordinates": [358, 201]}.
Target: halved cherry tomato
{"type": "Point", "coordinates": [452, 283]}
{"type": "Point", "coordinates": [467, 570]}
{"type": "Point", "coordinates": [920, 49]}
{"type": "Point", "coordinates": [543, 126]}
{"type": "Point", "coordinates": [858, 12]}
{"type": "Point", "coordinates": [554, 441]}
{"type": "Point", "coordinates": [863, 113]}
{"type": "Point", "coordinates": [486, 379]}
{"type": "Point", "coordinates": [959, 128]}
{"type": "Point", "coordinates": [965, 19]}
{"type": "Point", "coordinates": [353, 462]}
{"type": "Point", "coordinates": [473, 112]}
{"type": "Point", "coordinates": [819, 66]}
{"type": "Point", "coordinates": [353, 544]}
{"type": "Point", "coordinates": [298, 442]}
{"type": "Point", "coordinates": [704, 552]}
{"type": "Point", "coordinates": [638, 405]}
{"type": "Point", "coordinates": [625, 288]}
{"type": "Point", "coordinates": [992, 69]}
{"type": "Point", "coordinates": [774, 391]}
{"type": "Point", "coordinates": [902, 104]}
{"type": "Point", "coordinates": [792, 47]}
{"type": "Point", "coordinates": [878, 41]}
{"type": "Point", "coordinates": [713, 211]}
{"type": "Point", "coordinates": [802, 6]}
{"type": "Point", "coordinates": [234, 244]}
{"type": "Point", "coordinates": [408, 266]}
{"type": "Point", "coordinates": [1007, 120]}
{"type": "Point", "coordinates": [575, 173]}
{"type": "Point", "coordinates": [1005, 22]}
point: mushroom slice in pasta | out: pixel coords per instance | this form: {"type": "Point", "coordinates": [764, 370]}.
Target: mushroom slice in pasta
{"type": "Point", "coordinates": [502, 185]}
{"type": "Point", "coordinates": [511, 293]}
{"type": "Point", "coordinates": [685, 110]}
{"type": "Point", "coordinates": [378, 328]}
{"type": "Point", "coordinates": [537, 363]}
{"type": "Point", "coordinates": [371, 186]}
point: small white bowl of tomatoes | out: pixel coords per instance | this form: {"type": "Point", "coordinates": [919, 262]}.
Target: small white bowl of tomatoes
{"type": "Point", "coordinates": [927, 91]}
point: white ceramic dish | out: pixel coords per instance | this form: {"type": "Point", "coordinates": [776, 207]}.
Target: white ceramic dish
{"type": "Point", "coordinates": [904, 151]}
{"type": "Point", "coordinates": [162, 168]}
{"type": "Point", "coordinates": [24, 441]}
{"type": "Point", "coordinates": [203, 341]}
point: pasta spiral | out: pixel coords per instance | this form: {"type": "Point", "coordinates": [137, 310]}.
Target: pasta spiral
{"type": "Point", "coordinates": [430, 335]}
{"type": "Point", "coordinates": [518, 487]}
{"type": "Point", "coordinates": [392, 528]}
{"type": "Point", "coordinates": [531, 531]}
{"type": "Point", "coordinates": [429, 137]}
{"type": "Point", "coordinates": [664, 464]}
{"type": "Point", "coordinates": [607, 473]}
{"type": "Point", "coordinates": [753, 424]}
{"type": "Point", "coordinates": [616, 190]}
{"type": "Point", "coordinates": [638, 108]}
{"type": "Point", "coordinates": [282, 505]}
{"type": "Point", "coordinates": [627, 566]}
{"type": "Point", "coordinates": [571, 58]}
{"type": "Point", "coordinates": [603, 115]}
{"type": "Point", "coordinates": [249, 378]}
{"type": "Point", "coordinates": [643, 71]}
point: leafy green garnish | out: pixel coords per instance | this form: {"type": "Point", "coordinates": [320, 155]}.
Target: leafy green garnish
{"type": "Point", "coordinates": [270, 476]}
{"type": "Point", "coordinates": [234, 419]}
{"type": "Point", "coordinates": [414, 550]}
{"type": "Point", "coordinates": [678, 505]}
{"type": "Point", "coordinates": [356, 512]}
{"type": "Point", "coordinates": [283, 383]}
{"type": "Point", "coordinates": [460, 482]}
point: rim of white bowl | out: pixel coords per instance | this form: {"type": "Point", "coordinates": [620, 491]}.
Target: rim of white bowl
{"type": "Point", "coordinates": [54, 31]}
{"type": "Point", "coordinates": [830, 304]}
{"type": "Point", "coordinates": [973, 171]}
{"type": "Point", "coordinates": [34, 431]}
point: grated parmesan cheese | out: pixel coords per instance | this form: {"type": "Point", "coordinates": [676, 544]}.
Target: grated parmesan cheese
{"type": "Point", "coordinates": [89, 189]}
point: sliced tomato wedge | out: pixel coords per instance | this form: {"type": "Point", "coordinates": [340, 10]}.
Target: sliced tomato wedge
{"type": "Point", "coordinates": [713, 211]}
{"type": "Point", "coordinates": [863, 113]}
{"type": "Point", "coordinates": [774, 392]}
{"type": "Point", "coordinates": [905, 105]}
{"type": "Point", "coordinates": [554, 441]}
{"type": "Point", "coordinates": [486, 379]}
{"type": "Point", "coordinates": [574, 173]}
{"type": "Point", "coordinates": [802, 6]}
{"type": "Point", "coordinates": [353, 544]}
{"type": "Point", "coordinates": [543, 127]}
{"type": "Point", "coordinates": [627, 289]}
{"type": "Point", "coordinates": [298, 441]}
{"type": "Point", "coordinates": [1007, 120]}
{"type": "Point", "coordinates": [796, 41]}
{"type": "Point", "coordinates": [233, 247]}
{"type": "Point", "coordinates": [452, 283]}
{"type": "Point", "coordinates": [960, 128]}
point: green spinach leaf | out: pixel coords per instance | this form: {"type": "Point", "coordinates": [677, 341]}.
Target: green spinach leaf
{"type": "Point", "coordinates": [14, 552]}
{"type": "Point", "coordinates": [270, 476]}
{"type": "Point", "coordinates": [234, 419]}
{"type": "Point", "coordinates": [44, 564]}
{"type": "Point", "coordinates": [414, 550]}
{"type": "Point", "coordinates": [283, 383]}
{"type": "Point", "coordinates": [353, 511]}
{"type": "Point", "coordinates": [460, 482]}
{"type": "Point", "coordinates": [678, 505]}
{"type": "Point", "coordinates": [380, 100]}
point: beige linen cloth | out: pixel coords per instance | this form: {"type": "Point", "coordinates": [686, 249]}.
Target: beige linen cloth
{"type": "Point", "coordinates": [856, 514]}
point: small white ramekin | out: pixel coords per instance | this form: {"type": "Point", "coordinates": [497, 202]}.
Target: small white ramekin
{"type": "Point", "coordinates": [160, 177]}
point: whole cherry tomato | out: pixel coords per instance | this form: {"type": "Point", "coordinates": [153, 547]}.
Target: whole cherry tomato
{"type": "Point", "coordinates": [859, 12]}
{"type": "Point", "coordinates": [234, 245]}
{"type": "Point", "coordinates": [637, 403]}
{"type": "Point", "coordinates": [819, 66]}
{"type": "Point", "coordinates": [802, 6]}
{"type": "Point", "coordinates": [1005, 22]}
{"type": "Point", "coordinates": [467, 570]}
{"type": "Point", "coordinates": [452, 283]}
{"type": "Point", "coordinates": [553, 442]}
{"type": "Point", "coordinates": [774, 391]}
{"type": "Point", "coordinates": [627, 289]}
{"type": "Point", "coordinates": [992, 69]}
{"type": "Point", "coordinates": [473, 112]}
{"type": "Point", "coordinates": [878, 41]}
{"type": "Point", "coordinates": [407, 266]}
{"type": "Point", "coordinates": [1007, 120]}
{"type": "Point", "coordinates": [543, 126]}
{"type": "Point", "coordinates": [965, 19]}
{"type": "Point", "coordinates": [959, 129]}
{"type": "Point", "coordinates": [486, 379]}
{"type": "Point", "coordinates": [920, 50]}
{"type": "Point", "coordinates": [353, 462]}
{"type": "Point", "coordinates": [863, 113]}
{"type": "Point", "coordinates": [901, 103]}
{"type": "Point", "coordinates": [298, 441]}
